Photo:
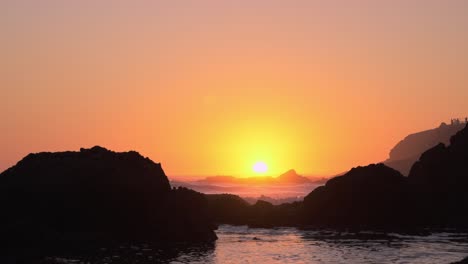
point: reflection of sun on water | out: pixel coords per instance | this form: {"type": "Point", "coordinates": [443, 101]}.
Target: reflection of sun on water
{"type": "Point", "coordinates": [260, 167]}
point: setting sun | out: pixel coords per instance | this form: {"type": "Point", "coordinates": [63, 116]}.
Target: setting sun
{"type": "Point", "coordinates": [171, 130]}
{"type": "Point", "coordinates": [260, 167]}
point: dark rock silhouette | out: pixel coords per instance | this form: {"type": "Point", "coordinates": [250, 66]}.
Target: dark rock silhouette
{"type": "Point", "coordinates": [377, 197]}
{"type": "Point", "coordinates": [374, 196]}
{"type": "Point", "coordinates": [231, 209]}
{"type": "Point", "coordinates": [274, 201]}
{"type": "Point", "coordinates": [228, 209]}
{"type": "Point", "coordinates": [96, 195]}
{"type": "Point", "coordinates": [440, 177]}
{"type": "Point", "coordinates": [433, 195]}
{"type": "Point", "coordinates": [407, 152]}
{"type": "Point", "coordinates": [266, 215]}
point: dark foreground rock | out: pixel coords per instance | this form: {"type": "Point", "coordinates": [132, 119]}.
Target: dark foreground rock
{"type": "Point", "coordinates": [228, 209]}
{"type": "Point", "coordinates": [433, 195]}
{"type": "Point", "coordinates": [374, 196]}
{"type": "Point", "coordinates": [233, 210]}
{"type": "Point", "coordinates": [440, 178]}
{"type": "Point", "coordinates": [370, 197]}
{"type": "Point", "coordinates": [96, 195]}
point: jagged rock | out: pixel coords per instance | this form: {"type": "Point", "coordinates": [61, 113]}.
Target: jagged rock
{"type": "Point", "coordinates": [97, 195]}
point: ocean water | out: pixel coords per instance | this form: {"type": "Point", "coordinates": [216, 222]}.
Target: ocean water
{"type": "Point", "coordinates": [240, 244]}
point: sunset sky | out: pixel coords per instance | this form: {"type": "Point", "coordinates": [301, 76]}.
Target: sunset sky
{"type": "Point", "coordinates": [213, 87]}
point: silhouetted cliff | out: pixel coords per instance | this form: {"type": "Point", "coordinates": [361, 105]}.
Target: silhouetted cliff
{"type": "Point", "coordinates": [434, 194]}
{"type": "Point", "coordinates": [97, 195]}
{"type": "Point", "coordinates": [406, 152]}
{"type": "Point", "coordinates": [441, 179]}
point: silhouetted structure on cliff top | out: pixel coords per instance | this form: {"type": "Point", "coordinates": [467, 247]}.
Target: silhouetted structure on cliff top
{"type": "Point", "coordinates": [97, 195]}
{"type": "Point", "coordinates": [406, 152]}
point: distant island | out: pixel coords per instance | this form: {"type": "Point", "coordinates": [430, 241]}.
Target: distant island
{"type": "Point", "coordinates": [290, 177]}
{"type": "Point", "coordinates": [288, 187]}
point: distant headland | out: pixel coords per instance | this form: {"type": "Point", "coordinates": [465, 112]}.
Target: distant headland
{"type": "Point", "coordinates": [407, 151]}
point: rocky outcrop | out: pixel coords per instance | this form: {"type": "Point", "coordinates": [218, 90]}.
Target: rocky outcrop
{"type": "Point", "coordinates": [369, 197]}
{"type": "Point", "coordinates": [376, 196]}
{"type": "Point", "coordinates": [440, 177]}
{"type": "Point", "coordinates": [231, 209]}
{"type": "Point", "coordinates": [407, 152]}
{"type": "Point", "coordinates": [97, 195]}
{"type": "Point", "coordinates": [228, 209]}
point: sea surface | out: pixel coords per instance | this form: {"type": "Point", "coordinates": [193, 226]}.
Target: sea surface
{"type": "Point", "coordinates": [251, 190]}
{"type": "Point", "coordinates": [240, 244]}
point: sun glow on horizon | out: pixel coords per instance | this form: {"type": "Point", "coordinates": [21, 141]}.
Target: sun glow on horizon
{"type": "Point", "coordinates": [260, 167]}
{"type": "Point", "coordinates": [216, 88]}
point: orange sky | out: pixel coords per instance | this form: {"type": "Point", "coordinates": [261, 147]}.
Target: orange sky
{"type": "Point", "coordinates": [211, 87]}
